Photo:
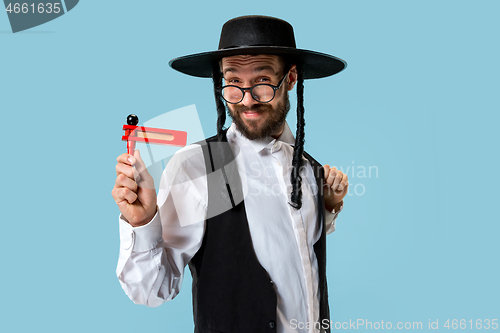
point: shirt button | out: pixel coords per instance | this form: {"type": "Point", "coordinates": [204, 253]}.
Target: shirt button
{"type": "Point", "coordinates": [272, 324]}
{"type": "Point", "coordinates": [128, 243]}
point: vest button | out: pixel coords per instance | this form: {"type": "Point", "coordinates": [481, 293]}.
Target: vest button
{"type": "Point", "coordinates": [271, 282]}
{"type": "Point", "coordinates": [272, 324]}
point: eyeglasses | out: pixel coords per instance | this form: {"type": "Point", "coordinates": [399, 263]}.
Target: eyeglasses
{"type": "Point", "coordinates": [262, 93]}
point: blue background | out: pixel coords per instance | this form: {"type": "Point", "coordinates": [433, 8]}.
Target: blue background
{"type": "Point", "coordinates": [419, 101]}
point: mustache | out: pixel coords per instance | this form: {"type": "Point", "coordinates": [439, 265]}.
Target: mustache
{"type": "Point", "coordinates": [254, 108]}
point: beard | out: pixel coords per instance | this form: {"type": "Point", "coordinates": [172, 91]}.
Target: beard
{"type": "Point", "coordinates": [273, 123]}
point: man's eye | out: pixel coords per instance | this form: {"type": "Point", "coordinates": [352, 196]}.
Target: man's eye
{"type": "Point", "coordinates": [264, 79]}
{"type": "Point", "coordinates": [232, 81]}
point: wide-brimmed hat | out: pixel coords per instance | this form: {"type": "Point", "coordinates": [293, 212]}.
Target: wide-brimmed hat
{"type": "Point", "coordinates": [255, 34]}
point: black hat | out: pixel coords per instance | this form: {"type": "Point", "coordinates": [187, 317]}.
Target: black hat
{"type": "Point", "coordinates": [255, 34]}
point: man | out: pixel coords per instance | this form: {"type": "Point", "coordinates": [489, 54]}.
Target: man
{"type": "Point", "coordinates": [247, 209]}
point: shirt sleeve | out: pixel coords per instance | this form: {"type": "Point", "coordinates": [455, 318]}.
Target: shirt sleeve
{"type": "Point", "coordinates": [152, 257]}
{"type": "Point", "coordinates": [330, 218]}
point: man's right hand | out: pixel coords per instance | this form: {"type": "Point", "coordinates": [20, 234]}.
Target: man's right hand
{"type": "Point", "coordinates": [134, 190]}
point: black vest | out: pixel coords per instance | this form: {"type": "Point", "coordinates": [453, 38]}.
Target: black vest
{"type": "Point", "coordinates": [232, 292]}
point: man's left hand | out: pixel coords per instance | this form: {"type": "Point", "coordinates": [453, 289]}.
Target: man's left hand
{"type": "Point", "coordinates": [335, 187]}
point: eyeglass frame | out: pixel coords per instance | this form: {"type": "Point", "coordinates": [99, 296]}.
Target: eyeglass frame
{"type": "Point", "coordinates": [243, 90]}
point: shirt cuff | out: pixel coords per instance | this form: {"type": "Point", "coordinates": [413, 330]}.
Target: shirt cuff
{"type": "Point", "coordinates": [140, 239]}
{"type": "Point", "coordinates": [330, 217]}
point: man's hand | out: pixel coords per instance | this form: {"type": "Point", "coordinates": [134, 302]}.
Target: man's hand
{"type": "Point", "coordinates": [336, 187]}
{"type": "Point", "coordinates": [134, 190]}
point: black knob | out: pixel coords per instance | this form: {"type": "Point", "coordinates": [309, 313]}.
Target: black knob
{"type": "Point", "coordinates": [132, 119]}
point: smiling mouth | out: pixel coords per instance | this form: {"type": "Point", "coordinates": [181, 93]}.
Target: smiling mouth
{"type": "Point", "coordinates": [251, 114]}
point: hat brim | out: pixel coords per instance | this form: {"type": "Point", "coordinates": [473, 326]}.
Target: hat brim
{"type": "Point", "coordinates": [315, 65]}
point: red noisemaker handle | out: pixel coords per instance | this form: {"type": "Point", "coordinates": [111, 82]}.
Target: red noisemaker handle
{"type": "Point", "coordinates": [134, 133]}
{"type": "Point", "coordinates": [130, 144]}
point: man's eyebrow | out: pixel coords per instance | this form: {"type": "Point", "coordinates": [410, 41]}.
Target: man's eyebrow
{"type": "Point", "coordinates": [230, 69]}
{"type": "Point", "coordinates": [257, 69]}
{"type": "Point", "coordinates": [266, 67]}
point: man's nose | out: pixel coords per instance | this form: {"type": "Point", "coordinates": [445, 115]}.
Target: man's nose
{"type": "Point", "coordinates": [248, 100]}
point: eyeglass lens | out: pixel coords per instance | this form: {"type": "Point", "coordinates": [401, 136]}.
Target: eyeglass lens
{"type": "Point", "coordinates": [261, 93]}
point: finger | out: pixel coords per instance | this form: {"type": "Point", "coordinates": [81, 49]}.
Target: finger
{"type": "Point", "coordinates": [126, 159]}
{"type": "Point", "coordinates": [141, 168]}
{"type": "Point", "coordinates": [337, 179]}
{"type": "Point", "coordinates": [139, 163]}
{"type": "Point", "coordinates": [121, 194]}
{"type": "Point", "coordinates": [129, 195]}
{"type": "Point", "coordinates": [124, 181]}
{"type": "Point", "coordinates": [126, 170]}
{"type": "Point", "coordinates": [331, 176]}
{"type": "Point", "coordinates": [343, 183]}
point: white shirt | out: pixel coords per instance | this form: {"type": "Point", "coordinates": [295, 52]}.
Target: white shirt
{"type": "Point", "coordinates": [152, 257]}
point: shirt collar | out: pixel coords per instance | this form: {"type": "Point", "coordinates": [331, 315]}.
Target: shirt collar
{"type": "Point", "coordinates": [259, 145]}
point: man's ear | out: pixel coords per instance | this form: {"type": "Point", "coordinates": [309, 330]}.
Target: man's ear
{"type": "Point", "coordinates": [292, 77]}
